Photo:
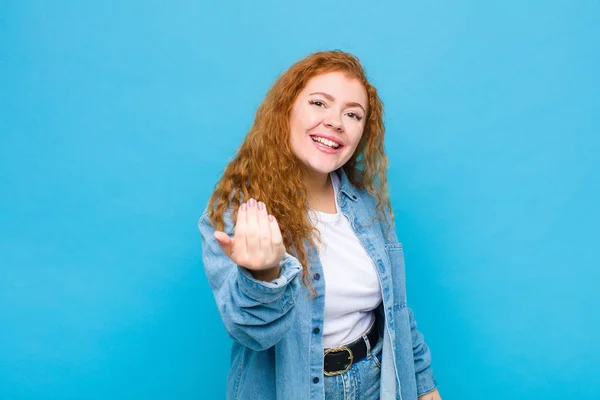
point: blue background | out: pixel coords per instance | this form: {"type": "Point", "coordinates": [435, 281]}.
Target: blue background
{"type": "Point", "coordinates": [117, 118]}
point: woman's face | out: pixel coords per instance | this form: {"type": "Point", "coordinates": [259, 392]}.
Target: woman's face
{"type": "Point", "coordinates": [327, 121]}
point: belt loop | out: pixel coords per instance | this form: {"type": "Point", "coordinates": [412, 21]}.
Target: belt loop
{"type": "Point", "coordinates": [368, 343]}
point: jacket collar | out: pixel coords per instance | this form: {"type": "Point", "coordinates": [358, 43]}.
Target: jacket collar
{"type": "Point", "coordinates": [346, 187]}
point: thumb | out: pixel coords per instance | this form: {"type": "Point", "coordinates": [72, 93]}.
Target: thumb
{"type": "Point", "coordinates": [225, 242]}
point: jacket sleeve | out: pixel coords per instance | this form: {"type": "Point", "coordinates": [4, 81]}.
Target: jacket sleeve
{"type": "Point", "coordinates": [426, 381]}
{"type": "Point", "coordinates": [257, 314]}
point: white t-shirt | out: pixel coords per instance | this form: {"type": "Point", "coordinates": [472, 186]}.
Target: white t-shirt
{"type": "Point", "coordinates": [352, 289]}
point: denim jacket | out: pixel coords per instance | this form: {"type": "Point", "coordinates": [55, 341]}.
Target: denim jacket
{"type": "Point", "coordinates": [276, 327]}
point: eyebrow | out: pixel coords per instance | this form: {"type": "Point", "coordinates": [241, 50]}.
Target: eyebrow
{"type": "Point", "coordinates": [331, 98]}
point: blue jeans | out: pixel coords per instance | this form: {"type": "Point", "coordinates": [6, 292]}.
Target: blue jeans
{"type": "Point", "coordinates": [360, 382]}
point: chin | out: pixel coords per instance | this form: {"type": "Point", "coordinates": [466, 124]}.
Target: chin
{"type": "Point", "coordinates": [323, 169]}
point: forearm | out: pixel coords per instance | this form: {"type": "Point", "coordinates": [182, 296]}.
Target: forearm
{"type": "Point", "coordinates": [425, 378]}
{"type": "Point", "coordinates": [256, 316]}
{"type": "Point", "coordinates": [255, 312]}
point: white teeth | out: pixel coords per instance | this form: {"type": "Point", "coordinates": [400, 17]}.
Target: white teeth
{"type": "Point", "coordinates": [326, 142]}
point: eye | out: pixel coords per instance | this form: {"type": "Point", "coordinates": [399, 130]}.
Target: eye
{"type": "Point", "coordinates": [317, 103]}
{"type": "Point", "coordinates": [355, 116]}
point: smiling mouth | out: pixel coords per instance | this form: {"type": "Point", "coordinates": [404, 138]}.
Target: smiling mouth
{"type": "Point", "coordinates": [326, 142]}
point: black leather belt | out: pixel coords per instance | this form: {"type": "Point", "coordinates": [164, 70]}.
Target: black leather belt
{"type": "Point", "coordinates": [338, 360]}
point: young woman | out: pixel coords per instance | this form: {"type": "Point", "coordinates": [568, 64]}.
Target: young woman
{"type": "Point", "coordinates": [300, 249]}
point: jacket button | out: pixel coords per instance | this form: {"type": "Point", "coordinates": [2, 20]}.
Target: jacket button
{"type": "Point", "coordinates": [316, 379]}
{"type": "Point", "coordinates": [316, 330]}
{"type": "Point", "coordinates": [317, 276]}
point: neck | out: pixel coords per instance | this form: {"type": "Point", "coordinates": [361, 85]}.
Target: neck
{"type": "Point", "coordinates": [316, 183]}
{"type": "Point", "coordinates": [319, 190]}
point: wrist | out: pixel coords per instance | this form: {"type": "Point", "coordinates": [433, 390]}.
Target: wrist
{"type": "Point", "coordinates": [266, 275]}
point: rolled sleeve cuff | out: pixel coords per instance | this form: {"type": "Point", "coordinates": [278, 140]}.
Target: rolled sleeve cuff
{"type": "Point", "coordinates": [426, 382]}
{"type": "Point", "coordinates": [267, 292]}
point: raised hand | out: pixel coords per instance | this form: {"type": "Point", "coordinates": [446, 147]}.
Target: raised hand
{"type": "Point", "coordinates": [257, 244]}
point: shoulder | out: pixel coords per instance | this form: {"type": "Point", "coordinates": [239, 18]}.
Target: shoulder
{"type": "Point", "coordinates": [381, 217]}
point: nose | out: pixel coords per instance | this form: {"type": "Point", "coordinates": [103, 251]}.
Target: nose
{"type": "Point", "coordinates": [334, 122]}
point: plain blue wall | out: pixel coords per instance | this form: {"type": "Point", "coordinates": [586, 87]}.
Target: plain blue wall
{"type": "Point", "coordinates": [116, 119]}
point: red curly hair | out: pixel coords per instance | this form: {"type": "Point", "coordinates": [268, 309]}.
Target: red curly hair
{"type": "Point", "coordinates": [265, 168]}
